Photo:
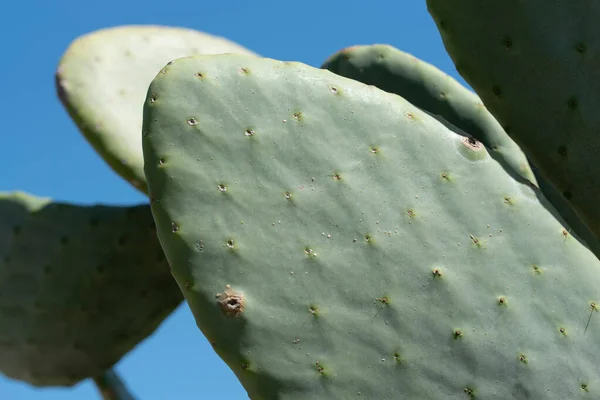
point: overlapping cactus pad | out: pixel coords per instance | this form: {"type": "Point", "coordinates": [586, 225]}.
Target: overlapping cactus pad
{"type": "Point", "coordinates": [437, 93]}
{"type": "Point", "coordinates": [80, 286]}
{"type": "Point", "coordinates": [336, 242]}
{"type": "Point", "coordinates": [432, 90]}
{"type": "Point", "coordinates": [535, 64]}
{"type": "Point", "coordinates": [102, 81]}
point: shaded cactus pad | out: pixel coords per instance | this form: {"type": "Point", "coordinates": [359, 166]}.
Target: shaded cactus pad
{"type": "Point", "coordinates": [102, 81]}
{"type": "Point", "coordinates": [336, 242]}
{"type": "Point", "coordinates": [80, 286]}
{"type": "Point", "coordinates": [535, 64]}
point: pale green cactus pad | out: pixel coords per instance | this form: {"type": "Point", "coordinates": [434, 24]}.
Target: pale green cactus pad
{"type": "Point", "coordinates": [102, 81]}
{"type": "Point", "coordinates": [80, 286]}
{"type": "Point", "coordinates": [336, 242]}
{"type": "Point", "coordinates": [536, 66]}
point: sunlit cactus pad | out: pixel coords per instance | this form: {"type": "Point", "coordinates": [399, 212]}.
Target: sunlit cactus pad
{"type": "Point", "coordinates": [102, 81]}
{"type": "Point", "coordinates": [336, 242]}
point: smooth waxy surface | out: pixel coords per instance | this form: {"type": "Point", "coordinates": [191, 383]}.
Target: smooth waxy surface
{"type": "Point", "coordinates": [80, 286]}
{"type": "Point", "coordinates": [102, 81]}
{"type": "Point", "coordinates": [335, 242]}
{"type": "Point", "coordinates": [535, 66]}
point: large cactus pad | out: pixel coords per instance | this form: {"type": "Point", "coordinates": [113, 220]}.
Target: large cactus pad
{"type": "Point", "coordinates": [336, 242]}
{"type": "Point", "coordinates": [80, 286]}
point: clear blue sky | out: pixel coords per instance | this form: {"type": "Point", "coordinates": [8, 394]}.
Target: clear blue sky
{"type": "Point", "coordinates": [44, 154]}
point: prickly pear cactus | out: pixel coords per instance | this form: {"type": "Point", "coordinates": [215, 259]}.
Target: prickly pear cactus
{"type": "Point", "coordinates": [535, 65]}
{"type": "Point", "coordinates": [102, 80]}
{"type": "Point", "coordinates": [437, 93]}
{"type": "Point", "coordinates": [433, 91]}
{"type": "Point", "coordinates": [336, 242]}
{"type": "Point", "coordinates": [80, 286]}
{"type": "Point", "coordinates": [111, 386]}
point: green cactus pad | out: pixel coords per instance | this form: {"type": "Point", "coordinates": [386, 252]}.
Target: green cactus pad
{"type": "Point", "coordinates": [437, 93]}
{"type": "Point", "coordinates": [102, 81]}
{"type": "Point", "coordinates": [432, 90]}
{"type": "Point", "coordinates": [336, 242]}
{"type": "Point", "coordinates": [80, 286]}
{"type": "Point", "coordinates": [535, 66]}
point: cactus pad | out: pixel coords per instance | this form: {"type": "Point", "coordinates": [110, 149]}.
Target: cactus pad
{"type": "Point", "coordinates": [433, 91]}
{"type": "Point", "coordinates": [535, 66]}
{"type": "Point", "coordinates": [437, 93]}
{"type": "Point", "coordinates": [80, 286]}
{"type": "Point", "coordinates": [336, 242]}
{"type": "Point", "coordinates": [102, 81]}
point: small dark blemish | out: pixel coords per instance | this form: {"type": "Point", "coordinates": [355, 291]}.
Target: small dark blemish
{"type": "Point", "coordinates": [320, 368]}
{"type": "Point", "coordinates": [507, 42]}
{"type": "Point", "coordinates": [497, 91]}
{"type": "Point", "coordinates": [580, 48]}
{"type": "Point", "coordinates": [563, 331]}
{"type": "Point", "coordinates": [523, 358]}
{"type": "Point", "coordinates": [562, 151]}
{"type": "Point", "coordinates": [231, 302]}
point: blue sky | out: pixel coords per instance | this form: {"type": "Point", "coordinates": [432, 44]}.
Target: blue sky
{"type": "Point", "coordinates": [44, 154]}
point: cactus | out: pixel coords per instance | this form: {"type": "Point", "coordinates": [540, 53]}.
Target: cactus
{"type": "Point", "coordinates": [437, 93]}
{"type": "Point", "coordinates": [535, 65]}
{"type": "Point", "coordinates": [433, 91]}
{"type": "Point", "coordinates": [111, 387]}
{"type": "Point", "coordinates": [102, 80]}
{"type": "Point", "coordinates": [334, 241]}
{"type": "Point", "coordinates": [80, 286]}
